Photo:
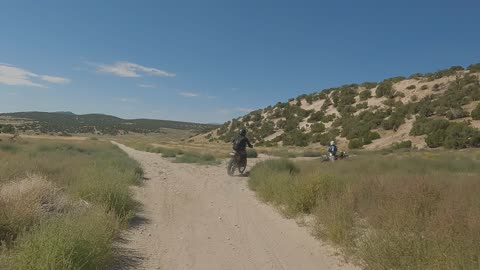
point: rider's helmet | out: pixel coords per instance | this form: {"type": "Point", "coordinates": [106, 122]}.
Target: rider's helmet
{"type": "Point", "coordinates": [243, 132]}
{"type": "Point", "coordinates": [332, 143]}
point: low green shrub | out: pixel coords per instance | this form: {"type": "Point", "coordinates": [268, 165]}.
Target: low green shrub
{"type": "Point", "coordinates": [169, 153]}
{"type": "Point", "coordinates": [252, 153]}
{"type": "Point", "coordinates": [401, 145]}
{"type": "Point", "coordinates": [355, 144]}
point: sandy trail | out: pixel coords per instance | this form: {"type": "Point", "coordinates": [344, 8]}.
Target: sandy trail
{"type": "Point", "coordinates": [197, 217]}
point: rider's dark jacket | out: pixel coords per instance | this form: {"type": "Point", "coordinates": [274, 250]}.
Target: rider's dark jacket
{"type": "Point", "coordinates": [240, 144]}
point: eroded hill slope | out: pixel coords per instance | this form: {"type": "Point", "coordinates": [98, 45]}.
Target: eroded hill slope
{"type": "Point", "coordinates": [440, 109]}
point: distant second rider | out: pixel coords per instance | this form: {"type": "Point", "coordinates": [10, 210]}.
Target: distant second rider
{"type": "Point", "coordinates": [332, 151]}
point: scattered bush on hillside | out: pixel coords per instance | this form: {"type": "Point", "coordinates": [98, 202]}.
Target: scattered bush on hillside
{"type": "Point", "coordinates": [363, 105]}
{"type": "Point", "coordinates": [328, 102]}
{"type": "Point", "coordinates": [385, 89]}
{"type": "Point", "coordinates": [474, 68]}
{"type": "Point", "coordinates": [10, 129]}
{"type": "Point", "coordinates": [322, 95]}
{"type": "Point", "coordinates": [355, 144]}
{"type": "Point", "coordinates": [413, 98]}
{"type": "Point", "coordinates": [368, 85]}
{"type": "Point", "coordinates": [291, 123]}
{"type": "Point", "coordinates": [444, 133]}
{"type": "Point", "coordinates": [396, 79]}
{"type": "Point", "coordinates": [461, 135]}
{"type": "Point", "coordinates": [476, 112]}
{"type": "Point", "coordinates": [316, 117]}
{"type": "Point", "coordinates": [309, 99]}
{"type": "Point", "coordinates": [365, 94]}
{"type": "Point", "coordinates": [346, 111]}
{"type": "Point", "coordinates": [424, 125]}
{"type": "Point", "coordinates": [325, 138]}
{"type": "Point", "coordinates": [416, 76]}
{"type": "Point", "coordinates": [443, 73]}
{"type": "Point", "coordinates": [411, 87]}
{"type": "Point", "coordinates": [401, 145]}
{"type": "Point", "coordinates": [297, 138]}
{"type": "Point", "coordinates": [394, 121]}
{"type": "Point", "coordinates": [318, 128]}
{"type": "Point", "coordinates": [456, 113]}
{"type": "Point", "coordinates": [424, 87]}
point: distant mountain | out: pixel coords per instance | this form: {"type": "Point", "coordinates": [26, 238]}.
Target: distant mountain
{"type": "Point", "coordinates": [68, 122]}
{"type": "Point", "coordinates": [68, 113]}
{"type": "Point", "coordinates": [439, 109]}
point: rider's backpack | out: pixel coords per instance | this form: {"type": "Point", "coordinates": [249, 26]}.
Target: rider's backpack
{"type": "Point", "coordinates": [236, 143]}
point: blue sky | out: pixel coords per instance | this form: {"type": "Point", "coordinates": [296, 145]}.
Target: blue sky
{"type": "Point", "coordinates": [210, 61]}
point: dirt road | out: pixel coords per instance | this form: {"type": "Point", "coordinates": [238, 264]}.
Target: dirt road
{"type": "Point", "coordinates": [197, 217]}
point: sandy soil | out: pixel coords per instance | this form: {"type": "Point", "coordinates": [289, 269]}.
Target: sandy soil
{"type": "Point", "coordinates": [197, 217]}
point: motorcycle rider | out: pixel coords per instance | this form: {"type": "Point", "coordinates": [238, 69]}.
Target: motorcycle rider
{"type": "Point", "coordinates": [241, 142]}
{"type": "Point", "coordinates": [332, 151]}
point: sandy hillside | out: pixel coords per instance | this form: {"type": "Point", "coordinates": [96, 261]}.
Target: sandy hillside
{"type": "Point", "coordinates": [197, 217]}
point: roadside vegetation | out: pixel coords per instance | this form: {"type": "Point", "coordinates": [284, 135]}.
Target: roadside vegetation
{"type": "Point", "coordinates": [410, 210]}
{"type": "Point", "coordinates": [63, 203]}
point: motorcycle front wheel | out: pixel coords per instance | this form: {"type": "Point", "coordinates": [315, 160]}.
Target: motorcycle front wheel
{"type": "Point", "coordinates": [231, 166]}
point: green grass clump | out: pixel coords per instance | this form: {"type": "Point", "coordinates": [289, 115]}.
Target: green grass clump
{"type": "Point", "coordinates": [8, 147]}
{"type": "Point", "coordinates": [74, 241]}
{"type": "Point", "coordinates": [169, 153]}
{"type": "Point", "coordinates": [412, 210]}
{"type": "Point", "coordinates": [199, 158]}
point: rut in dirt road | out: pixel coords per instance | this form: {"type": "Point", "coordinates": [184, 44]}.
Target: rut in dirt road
{"type": "Point", "coordinates": [197, 217]}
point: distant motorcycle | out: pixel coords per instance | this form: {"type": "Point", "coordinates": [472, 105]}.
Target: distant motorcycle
{"type": "Point", "coordinates": [328, 157]}
{"type": "Point", "coordinates": [236, 162]}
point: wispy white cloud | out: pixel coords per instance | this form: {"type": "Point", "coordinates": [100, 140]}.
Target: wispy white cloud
{"type": "Point", "coordinates": [188, 94]}
{"type": "Point", "coordinates": [146, 85]}
{"type": "Point", "coordinates": [127, 69]}
{"type": "Point", "coordinates": [125, 99]}
{"type": "Point", "coordinates": [235, 110]}
{"type": "Point", "coordinates": [11, 75]}
{"type": "Point", "coordinates": [224, 111]}
{"type": "Point", "coordinates": [244, 110]}
{"type": "Point", "coordinates": [53, 79]}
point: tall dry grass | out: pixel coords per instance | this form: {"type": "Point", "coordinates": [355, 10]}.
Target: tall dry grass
{"type": "Point", "coordinates": [26, 202]}
{"type": "Point", "coordinates": [403, 211]}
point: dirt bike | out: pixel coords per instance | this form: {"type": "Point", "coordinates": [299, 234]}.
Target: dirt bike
{"type": "Point", "coordinates": [236, 162]}
{"type": "Point", "coordinates": [329, 157]}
